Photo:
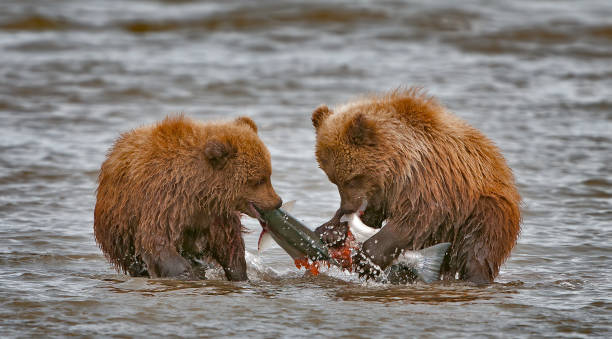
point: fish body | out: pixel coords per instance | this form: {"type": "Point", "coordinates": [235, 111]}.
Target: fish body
{"type": "Point", "coordinates": [302, 244]}
{"type": "Point", "coordinates": [409, 265]}
{"type": "Point", "coordinates": [307, 249]}
{"type": "Point", "coordinates": [360, 231]}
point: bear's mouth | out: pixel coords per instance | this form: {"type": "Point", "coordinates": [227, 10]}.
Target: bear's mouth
{"type": "Point", "coordinates": [363, 206]}
{"type": "Point", "coordinates": [361, 210]}
{"type": "Point", "coordinates": [372, 215]}
{"type": "Point", "coordinates": [262, 222]}
{"type": "Point", "coordinates": [254, 213]}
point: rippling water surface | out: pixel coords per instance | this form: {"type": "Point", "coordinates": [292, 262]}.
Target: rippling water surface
{"type": "Point", "coordinates": [535, 76]}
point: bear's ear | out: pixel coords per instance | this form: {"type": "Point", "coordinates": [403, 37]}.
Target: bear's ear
{"type": "Point", "coordinates": [217, 153]}
{"type": "Point", "coordinates": [320, 113]}
{"type": "Point", "coordinates": [361, 132]}
{"type": "Point", "coordinates": [247, 121]}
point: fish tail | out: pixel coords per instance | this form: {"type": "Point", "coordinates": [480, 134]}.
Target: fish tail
{"type": "Point", "coordinates": [433, 257]}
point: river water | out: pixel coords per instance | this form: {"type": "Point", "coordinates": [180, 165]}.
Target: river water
{"type": "Point", "coordinates": [535, 76]}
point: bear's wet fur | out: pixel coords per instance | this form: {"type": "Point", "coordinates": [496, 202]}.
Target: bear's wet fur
{"type": "Point", "coordinates": [170, 197]}
{"type": "Point", "coordinates": [432, 177]}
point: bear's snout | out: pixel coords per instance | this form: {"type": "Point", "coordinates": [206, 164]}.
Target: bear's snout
{"type": "Point", "coordinates": [273, 204]}
{"type": "Point", "coordinates": [279, 203]}
{"type": "Point", "coordinates": [267, 199]}
{"type": "Point", "coordinates": [351, 203]}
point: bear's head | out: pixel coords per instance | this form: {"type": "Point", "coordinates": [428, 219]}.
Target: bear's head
{"type": "Point", "coordinates": [371, 148]}
{"type": "Point", "coordinates": [241, 168]}
{"type": "Point", "coordinates": [353, 151]}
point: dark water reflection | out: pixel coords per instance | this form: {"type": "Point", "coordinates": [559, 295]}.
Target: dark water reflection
{"type": "Point", "coordinates": [534, 76]}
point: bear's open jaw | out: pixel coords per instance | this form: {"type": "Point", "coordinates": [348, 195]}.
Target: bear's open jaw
{"type": "Point", "coordinates": [362, 208]}
{"type": "Point", "coordinates": [360, 211]}
{"type": "Point", "coordinates": [262, 222]}
{"type": "Point", "coordinates": [255, 213]}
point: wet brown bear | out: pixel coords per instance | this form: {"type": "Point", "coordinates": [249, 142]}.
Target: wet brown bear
{"type": "Point", "coordinates": [428, 174]}
{"type": "Point", "coordinates": [170, 196]}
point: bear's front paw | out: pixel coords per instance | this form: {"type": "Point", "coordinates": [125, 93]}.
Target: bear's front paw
{"type": "Point", "coordinates": [332, 235]}
{"type": "Point", "coordinates": [364, 266]}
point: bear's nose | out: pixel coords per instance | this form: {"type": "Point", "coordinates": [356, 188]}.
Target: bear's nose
{"type": "Point", "coordinates": [348, 207]}
{"type": "Point", "coordinates": [279, 204]}
{"type": "Point", "coordinates": [344, 210]}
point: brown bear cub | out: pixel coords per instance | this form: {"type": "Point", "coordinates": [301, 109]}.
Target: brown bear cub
{"type": "Point", "coordinates": [426, 173]}
{"type": "Point", "coordinates": [170, 197]}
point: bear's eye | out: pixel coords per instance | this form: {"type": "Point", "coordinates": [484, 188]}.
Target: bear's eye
{"type": "Point", "coordinates": [259, 182]}
{"type": "Point", "coordinates": [355, 182]}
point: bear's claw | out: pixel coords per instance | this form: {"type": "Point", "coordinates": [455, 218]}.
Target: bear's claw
{"type": "Point", "coordinates": [332, 235]}
{"type": "Point", "coordinates": [363, 265]}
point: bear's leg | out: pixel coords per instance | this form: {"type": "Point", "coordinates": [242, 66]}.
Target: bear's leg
{"type": "Point", "coordinates": [137, 268]}
{"type": "Point", "coordinates": [232, 259]}
{"type": "Point", "coordinates": [379, 251]}
{"type": "Point", "coordinates": [235, 269]}
{"type": "Point", "coordinates": [478, 271]}
{"type": "Point", "coordinates": [226, 246]}
{"type": "Point", "coordinates": [167, 263]}
{"type": "Point", "coordinates": [333, 232]}
{"type": "Point", "coordinates": [492, 230]}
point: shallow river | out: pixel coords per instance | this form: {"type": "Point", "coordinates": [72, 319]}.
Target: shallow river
{"type": "Point", "coordinates": [535, 76]}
